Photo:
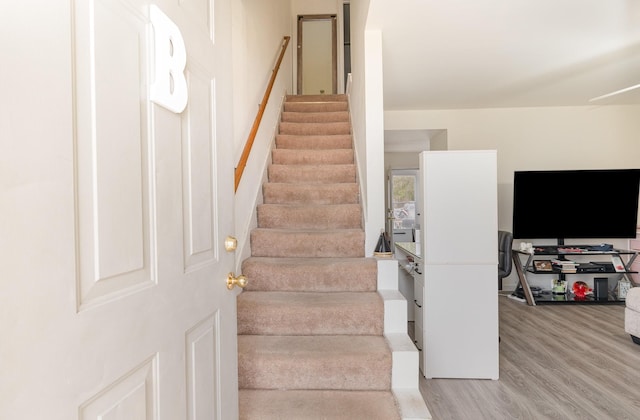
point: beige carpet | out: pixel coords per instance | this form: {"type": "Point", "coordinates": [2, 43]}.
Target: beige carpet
{"type": "Point", "coordinates": [310, 321]}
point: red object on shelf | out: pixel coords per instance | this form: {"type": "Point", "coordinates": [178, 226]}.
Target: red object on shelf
{"type": "Point", "coordinates": [580, 289]}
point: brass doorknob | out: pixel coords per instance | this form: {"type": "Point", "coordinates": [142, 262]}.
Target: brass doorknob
{"type": "Point", "coordinates": [230, 244]}
{"type": "Point", "coordinates": [240, 281]}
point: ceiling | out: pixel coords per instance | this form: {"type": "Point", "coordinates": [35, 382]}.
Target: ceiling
{"type": "Point", "coordinates": [452, 54]}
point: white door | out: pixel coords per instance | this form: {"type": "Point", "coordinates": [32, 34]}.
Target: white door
{"type": "Point", "coordinates": [113, 302]}
{"type": "Point", "coordinates": [317, 54]}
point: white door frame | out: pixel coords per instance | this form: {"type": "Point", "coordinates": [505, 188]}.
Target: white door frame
{"type": "Point", "coordinates": [302, 19]}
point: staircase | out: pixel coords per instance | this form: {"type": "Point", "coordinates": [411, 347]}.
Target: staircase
{"type": "Point", "coordinates": [310, 321]}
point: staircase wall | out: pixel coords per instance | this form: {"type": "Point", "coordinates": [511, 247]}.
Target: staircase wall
{"type": "Point", "coordinates": [253, 63]}
{"type": "Point", "coordinates": [249, 193]}
{"type": "Point", "coordinates": [367, 119]}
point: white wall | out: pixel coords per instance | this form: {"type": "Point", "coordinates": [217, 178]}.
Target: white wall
{"type": "Point", "coordinates": [374, 118]}
{"type": "Point", "coordinates": [401, 160]}
{"type": "Point", "coordinates": [536, 138]}
{"type": "Point", "coordinates": [315, 7]}
{"type": "Point", "coordinates": [367, 114]}
{"type": "Point", "coordinates": [258, 31]}
{"type": "Point", "coordinates": [359, 10]}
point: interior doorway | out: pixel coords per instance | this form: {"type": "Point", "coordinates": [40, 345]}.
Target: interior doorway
{"type": "Point", "coordinates": [317, 55]}
{"type": "Point", "coordinates": [401, 205]}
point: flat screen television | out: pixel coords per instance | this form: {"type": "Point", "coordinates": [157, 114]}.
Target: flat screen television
{"type": "Point", "coordinates": [561, 204]}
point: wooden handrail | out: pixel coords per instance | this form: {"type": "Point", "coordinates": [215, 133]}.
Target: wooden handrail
{"type": "Point", "coordinates": [256, 123]}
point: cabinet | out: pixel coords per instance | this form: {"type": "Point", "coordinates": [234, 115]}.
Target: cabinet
{"type": "Point", "coordinates": [459, 238]}
{"type": "Point", "coordinates": [418, 303]}
{"type": "Point", "coordinates": [589, 262]}
{"type": "Point", "coordinates": [410, 261]}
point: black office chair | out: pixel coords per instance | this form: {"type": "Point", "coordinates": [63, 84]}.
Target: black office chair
{"type": "Point", "coordinates": [505, 241]}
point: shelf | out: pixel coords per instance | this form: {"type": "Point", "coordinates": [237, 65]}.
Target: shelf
{"type": "Point", "coordinates": [548, 298]}
{"type": "Point", "coordinates": [560, 252]}
{"type": "Point", "coordinates": [548, 250]}
{"type": "Point", "coordinates": [534, 271]}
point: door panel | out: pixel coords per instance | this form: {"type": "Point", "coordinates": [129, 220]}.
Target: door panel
{"type": "Point", "coordinates": [132, 396]}
{"type": "Point", "coordinates": [112, 177]}
{"type": "Point", "coordinates": [197, 168]}
{"type": "Point", "coordinates": [201, 352]}
{"type": "Point", "coordinates": [114, 303]}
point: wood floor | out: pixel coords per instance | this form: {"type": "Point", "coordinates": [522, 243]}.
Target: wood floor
{"type": "Point", "coordinates": [556, 362]}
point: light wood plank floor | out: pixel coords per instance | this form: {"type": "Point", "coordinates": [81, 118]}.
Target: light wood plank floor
{"type": "Point", "coordinates": [556, 362]}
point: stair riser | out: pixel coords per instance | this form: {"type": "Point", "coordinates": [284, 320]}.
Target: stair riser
{"type": "Point", "coordinates": [308, 404]}
{"type": "Point", "coordinates": [314, 194]}
{"type": "Point", "coordinates": [312, 174]}
{"type": "Point", "coordinates": [315, 128]}
{"type": "Point", "coordinates": [338, 141]}
{"type": "Point", "coordinates": [315, 117]}
{"type": "Point", "coordinates": [354, 368]}
{"type": "Point", "coordinates": [300, 275]}
{"type": "Point", "coordinates": [312, 157]}
{"type": "Point", "coordinates": [295, 313]}
{"type": "Point", "coordinates": [315, 106]}
{"type": "Point", "coordinates": [345, 374]}
{"type": "Point", "coordinates": [322, 244]}
{"type": "Point", "coordinates": [273, 216]}
{"type": "Point", "coordinates": [317, 98]}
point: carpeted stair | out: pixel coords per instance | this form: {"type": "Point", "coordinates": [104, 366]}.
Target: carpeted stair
{"type": "Point", "coordinates": [310, 321]}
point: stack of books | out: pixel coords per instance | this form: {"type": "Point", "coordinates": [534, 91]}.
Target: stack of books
{"type": "Point", "coordinates": [565, 266]}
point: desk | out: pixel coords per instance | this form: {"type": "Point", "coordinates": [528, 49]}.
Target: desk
{"type": "Point", "coordinates": [410, 261]}
{"type": "Point", "coordinates": [410, 248]}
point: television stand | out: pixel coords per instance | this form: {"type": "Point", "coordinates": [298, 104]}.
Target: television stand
{"type": "Point", "coordinates": [541, 261]}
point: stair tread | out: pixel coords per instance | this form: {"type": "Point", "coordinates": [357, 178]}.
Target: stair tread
{"type": "Point", "coordinates": [317, 113]}
{"type": "Point", "coordinates": [317, 404]}
{"type": "Point", "coordinates": [310, 299]}
{"type": "Point", "coordinates": [301, 185]}
{"type": "Point", "coordinates": [320, 262]}
{"type": "Point", "coordinates": [318, 124]}
{"type": "Point", "coordinates": [311, 206]}
{"type": "Point", "coordinates": [322, 346]}
{"type": "Point", "coordinates": [285, 231]}
{"type": "Point", "coordinates": [314, 166]}
{"type": "Point", "coordinates": [314, 151]}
